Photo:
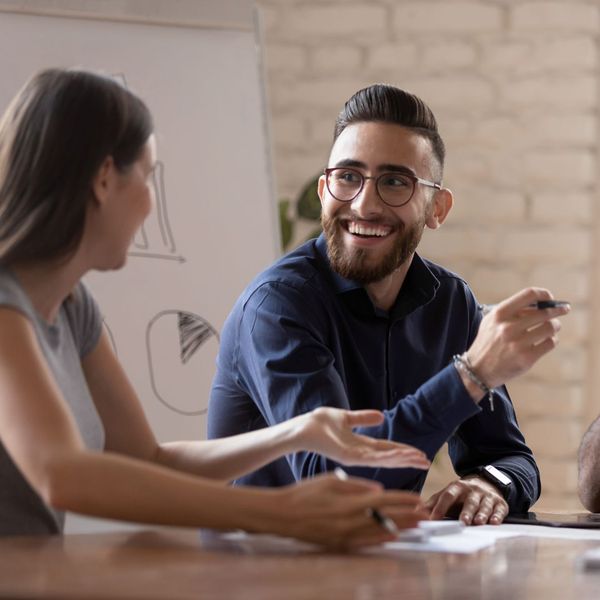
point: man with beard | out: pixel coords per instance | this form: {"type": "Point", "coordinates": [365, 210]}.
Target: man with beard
{"type": "Point", "coordinates": [356, 319]}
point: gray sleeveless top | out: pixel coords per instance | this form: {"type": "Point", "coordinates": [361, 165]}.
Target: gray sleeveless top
{"type": "Point", "coordinates": [74, 333]}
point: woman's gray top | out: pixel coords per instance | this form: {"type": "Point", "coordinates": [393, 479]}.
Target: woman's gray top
{"type": "Point", "coordinates": [64, 343]}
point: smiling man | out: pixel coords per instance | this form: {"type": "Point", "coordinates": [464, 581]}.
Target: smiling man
{"type": "Point", "coordinates": [357, 319]}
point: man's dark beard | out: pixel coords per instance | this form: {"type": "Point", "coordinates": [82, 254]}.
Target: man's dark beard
{"type": "Point", "coordinates": [354, 265]}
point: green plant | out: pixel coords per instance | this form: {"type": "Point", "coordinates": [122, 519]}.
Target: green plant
{"type": "Point", "coordinates": [286, 225]}
{"type": "Point", "coordinates": [308, 207]}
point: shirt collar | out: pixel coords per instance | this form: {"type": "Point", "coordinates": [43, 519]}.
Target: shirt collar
{"type": "Point", "coordinates": [418, 288]}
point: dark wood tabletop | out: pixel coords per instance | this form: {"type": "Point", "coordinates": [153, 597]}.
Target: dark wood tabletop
{"type": "Point", "coordinates": [176, 564]}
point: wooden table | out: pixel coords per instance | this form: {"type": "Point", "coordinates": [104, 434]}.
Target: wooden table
{"type": "Point", "coordinates": [176, 564]}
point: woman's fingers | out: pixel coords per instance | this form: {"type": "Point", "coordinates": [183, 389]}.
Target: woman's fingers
{"type": "Point", "coordinates": [338, 513]}
{"type": "Point", "coordinates": [384, 453]}
{"type": "Point", "coordinates": [329, 432]}
{"type": "Point", "coordinates": [364, 418]}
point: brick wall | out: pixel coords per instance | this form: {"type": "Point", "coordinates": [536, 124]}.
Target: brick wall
{"type": "Point", "coordinates": [514, 84]}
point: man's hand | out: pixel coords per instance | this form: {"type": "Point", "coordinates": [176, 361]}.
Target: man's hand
{"type": "Point", "coordinates": [478, 500]}
{"type": "Point", "coordinates": [513, 336]}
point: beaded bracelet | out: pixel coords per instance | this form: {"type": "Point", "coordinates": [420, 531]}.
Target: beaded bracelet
{"type": "Point", "coordinates": [463, 364]}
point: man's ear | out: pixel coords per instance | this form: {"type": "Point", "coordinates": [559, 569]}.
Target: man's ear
{"type": "Point", "coordinates": [103, 180]}
{"type": "Point", "coordinates": [321, 188]}
{"type": "Point", "coordinates": [441, 204]}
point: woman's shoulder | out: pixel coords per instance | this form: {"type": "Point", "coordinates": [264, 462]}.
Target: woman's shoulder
{"type": "Point", "coordinates": [12, 295]}
{"type": "Point", "coordinates": [84, 317]}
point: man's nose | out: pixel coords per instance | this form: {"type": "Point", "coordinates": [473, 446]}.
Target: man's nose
{"type": "Point", "coordinates": [368, 202]}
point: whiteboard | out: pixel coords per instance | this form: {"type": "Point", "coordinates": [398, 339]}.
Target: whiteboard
{"type": "Point", "coordinates": [214, 225]}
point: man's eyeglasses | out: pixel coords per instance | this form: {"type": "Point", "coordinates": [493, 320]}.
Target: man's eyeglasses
{"type": "Point", "coordinates": [394, 188]}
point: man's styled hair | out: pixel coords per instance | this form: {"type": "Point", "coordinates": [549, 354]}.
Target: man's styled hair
{"type": "Point", "coordinates": [54, 136]}
{"type": "Point", "coordinates": [389, 104]}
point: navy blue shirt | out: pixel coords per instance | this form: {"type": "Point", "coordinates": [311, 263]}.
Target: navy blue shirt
{"type": "Point", "coordinates": [301, 336]}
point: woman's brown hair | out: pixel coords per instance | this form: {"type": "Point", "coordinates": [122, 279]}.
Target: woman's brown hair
{"type": "Point", "coordinates": [54, 136]}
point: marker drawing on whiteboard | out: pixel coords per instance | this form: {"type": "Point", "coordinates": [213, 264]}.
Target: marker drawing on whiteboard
{"type": "Point", "coordinates": [178, 344]}
{"type": "Point", "coordinates": [155, 238]}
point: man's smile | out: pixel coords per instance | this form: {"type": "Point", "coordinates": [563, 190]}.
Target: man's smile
{"type": "Point", "coordinates": [367, 229]}
{"type": "Point", "coordinates": [362, 229]}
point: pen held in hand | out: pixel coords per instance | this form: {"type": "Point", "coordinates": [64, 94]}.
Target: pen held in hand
{"type": "Point", "coordinates": [540, 305]}
{"type": "Point", "coordinates": [387, 523]}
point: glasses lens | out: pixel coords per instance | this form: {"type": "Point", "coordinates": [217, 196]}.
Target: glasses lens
{"type": "Point", "coordinates": [344, 184]}
{"type": "Point", "coordinates": [395, 189]}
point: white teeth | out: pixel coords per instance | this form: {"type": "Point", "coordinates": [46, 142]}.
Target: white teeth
{"type": "Point", "coordinates": [360, 229]}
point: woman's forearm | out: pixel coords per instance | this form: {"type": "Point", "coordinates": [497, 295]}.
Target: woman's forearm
{"type": "Point", "coordinates": [228, 458]}
{"type": "Point", "coordinates": [324, 510]}
{"type": "Point", "coordinates": [117, 487]}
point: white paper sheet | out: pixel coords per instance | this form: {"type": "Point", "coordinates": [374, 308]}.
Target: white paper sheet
{"type": "Point", "coordinates": [469, 540]}
{"type": "Point", "coordinates": [473, 539]}
{"type": "Point", "coordinates": [564, 533]}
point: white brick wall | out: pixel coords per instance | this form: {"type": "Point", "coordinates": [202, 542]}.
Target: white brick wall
{"type": "Point", "coordinates": [287, 60]}
{"type": "Point", "coordinates": [559, 476]}
{"type": "Point", "coordinates": [538, 399]}
{"type": "Point", "coordinates": [554, 17]}
{"type": "Point", "coordinates": [570, 92]}
{"type": "Point", "coordinates": [439, 56]}
{"type": "Point", "coordinates": [569, 208]}
{"type": "Point", "coordinates": [336, 58]}
{"type": "Point", "coordinates": [553, 437]}
{"type": "Point", "coordinates": [514, 84]}
{"type": "Point", "coordinates": [473, 206]}
{"type": "Point", "coordinates": [446, 17]}
{"type": "Point", "coordinates": [573, 283]}
{"type": "Point", "coordinates": [396, 55]}
{"type": "Point", "coordinates": [358, 20]}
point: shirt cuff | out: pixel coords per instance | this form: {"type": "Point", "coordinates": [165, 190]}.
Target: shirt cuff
{"type": "Point", "coordinates": [447, 399]}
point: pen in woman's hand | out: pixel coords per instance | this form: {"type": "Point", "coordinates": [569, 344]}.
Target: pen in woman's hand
{"type": "Point", "coordinates": [387, 523]}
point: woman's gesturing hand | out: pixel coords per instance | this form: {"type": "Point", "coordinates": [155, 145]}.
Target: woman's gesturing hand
{"type": "Point", "coordinates": [328, 431]}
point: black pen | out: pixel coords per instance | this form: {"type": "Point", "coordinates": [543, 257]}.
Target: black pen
{"type": "Point", "coordinates": [387, 523]}
{"type": "Point", "coordinates": [540, 305]}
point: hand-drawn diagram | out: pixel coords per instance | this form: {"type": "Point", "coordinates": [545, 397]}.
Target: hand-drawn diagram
{"type": "Point", "coordinates": [181, 346]}
{"type": "Point", "coordinates": [155, 238]}
{"type": "Point", "coordinates": [182, 349]}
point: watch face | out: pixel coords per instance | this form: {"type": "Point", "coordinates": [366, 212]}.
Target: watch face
{"type": "Point", "coordinates": [497, 476]}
